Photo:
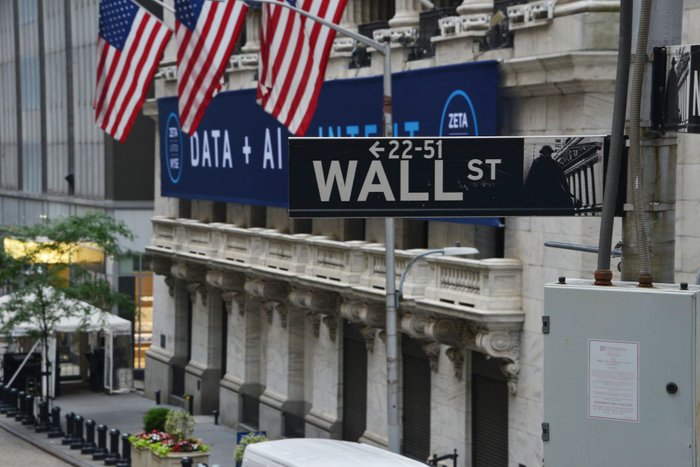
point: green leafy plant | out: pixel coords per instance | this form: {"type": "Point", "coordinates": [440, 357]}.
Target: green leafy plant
{"type": "Point", "coordinates": [250, 438]}
{"type": "Point", "coordinates": [179, 424]}
{"type": "Point", "coordinates": [162, 443]}
{"type": "Point", "coordinates": [154, 419]}
{"type": "Point", "coordinates": [49, 282]}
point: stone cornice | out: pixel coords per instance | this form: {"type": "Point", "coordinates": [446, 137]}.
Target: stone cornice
{"type": "Point", "coordinates": [559, 73]}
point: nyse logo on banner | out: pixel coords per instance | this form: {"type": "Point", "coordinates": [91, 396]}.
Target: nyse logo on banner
{"type": "Point", "coordinates": [174, 152]}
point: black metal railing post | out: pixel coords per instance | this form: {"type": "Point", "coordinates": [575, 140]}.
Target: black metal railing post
{"type": "Point", "coordinates": [28, 418]}
{"type": "Point", "coordinates": [68, 438]}
{"type": "Point", "coordinates": [19, 410]}
{"type": "Point", "coordinates": [125, 461]}
{"type": "Point", "coordinates": [113, 457]}
{"type": "Point", "coordinates": [43, 423]}
{"type": "Point", "coordinates": [78, 440]}
{"type": "Point", "coordinates": [101, 450]}
{"type": "Point", "coordinates": [89, 446]}
{"type": "Point", "coordinates": [157, 393]}
{"type": "Point", "coordinates": [56, 431]}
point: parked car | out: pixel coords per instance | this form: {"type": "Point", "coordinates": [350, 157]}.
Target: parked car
{"type": "Point", "coordinates": [321, 453]}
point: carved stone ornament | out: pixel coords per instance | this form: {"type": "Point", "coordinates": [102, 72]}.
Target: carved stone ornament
{"type": "Point", "coordinates": [195, 288]}
{"type": "Point", "coordinates": [225, 280]}
{"type": "Point", "coordinates": [499, 344]}
{"type": "Point", "coordinates": [230, 297]}
{"type": "Point", "coordinates": [189, 272]}
{"type": "Point", "coordinates": [161, 265]}
{"type": "Point", "coordinates": [456, 356]}
{"type": "Point", "coordinates": [360, 312]}
{"type": "Point", "coordinates": [267, 289]}
{"type": "Point", "coordinates": [170, 282]}
{"type": "Point", "coordinates": [414, 325]}
{"type": "Point", "coordinates": [271, 307]}
{"type": "Point", "coordinates": [320, 302]}
{"type": "Point", "coordinates": [331, 322]}
{"type": "Point", "coordinates": [315, 320]}
{"type": "Point", "coordinates": [432, 350]}
{"type": "Point", "coordinates": [368, 334]}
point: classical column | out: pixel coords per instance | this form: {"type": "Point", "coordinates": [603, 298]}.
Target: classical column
{"type": "Point", "coordinates": [450, 403]}
{"type": "Point", "coordinates": [324, 357]}
{"type": "Point", "coordinates": [234, 378]}
{"type": "Point", "coordinates": [376, 431]}
{"type": "Point", "coordinates": [407, 14]}
{"type": "Point", "coordinates": [252, 32]}
{"type": "Point", "coordinates": [471, 7]}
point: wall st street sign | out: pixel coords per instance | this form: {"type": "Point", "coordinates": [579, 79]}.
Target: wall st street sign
{"type": "Point", "coordinates": [446, 177]}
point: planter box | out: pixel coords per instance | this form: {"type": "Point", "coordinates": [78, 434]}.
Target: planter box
{"type": "Point", "coordinates": [173, 460]}
{"type": "Point", "coordinates": [140, 457]}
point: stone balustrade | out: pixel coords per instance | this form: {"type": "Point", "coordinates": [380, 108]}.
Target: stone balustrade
{"type": "Point", "coordinates": [490, 284]}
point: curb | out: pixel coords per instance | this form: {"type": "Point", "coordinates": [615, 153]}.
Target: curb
{"type": "Point", "coordinates": [25, 436]}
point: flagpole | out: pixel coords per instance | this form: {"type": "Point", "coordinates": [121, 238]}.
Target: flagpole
{"type": "Point", "coordinates": [392, 362]}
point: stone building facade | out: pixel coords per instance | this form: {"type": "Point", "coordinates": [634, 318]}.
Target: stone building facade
{"type": "Point", "coordinates": [279, 323]}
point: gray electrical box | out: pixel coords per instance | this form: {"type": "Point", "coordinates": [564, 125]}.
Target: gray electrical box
{"type": "Point", "coordinates": [620, 375]}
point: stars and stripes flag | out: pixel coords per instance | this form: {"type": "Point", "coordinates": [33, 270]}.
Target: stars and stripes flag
{"type": "Point", "coordinates": [294, 53]}
{"type": "Point", "coordinates": [130, 45]}
{"type": "Point", "coordinates": [205, 32]}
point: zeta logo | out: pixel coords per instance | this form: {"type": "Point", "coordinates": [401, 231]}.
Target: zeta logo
{"type": "Point", "coordinates": [173, 151]}
{"type": "Point", "coordinates": [458, 116]}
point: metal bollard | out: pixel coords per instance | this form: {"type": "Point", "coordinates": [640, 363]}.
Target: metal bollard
{"type": "Point", "coordinates": [3, 401]}
{"type": "Point", "coordinates": [215, 413]}
{"type": "Point", "coordinates": [21, 403]}
{"type": "Point", "coordinates": [78, 440]}
{"type": "Point", "coordinates": [68, 438]}
{"type": "Point", "coordinates": [56, 431]}
{"type": "Point", "coordinates": [113, 457]}
{"type": "Point", "coordinates": [125, 461]}
{"type": "Point", "coordinates": [89, 446]}
{"type": "Point", "coordinates": [43, 423]}
{"type": "Point", "coordinates": [158, 397]}
{"type": "Point", "coordinates": [186, 462]}
{"type": "Point", "coordinates": [12, 409]}
{"type": "Point", "coordinates": [28, 418]}
{"type": "Point", "coordinates": [101, 450]}
{"type": "Point", "coordinates": [190, 403]}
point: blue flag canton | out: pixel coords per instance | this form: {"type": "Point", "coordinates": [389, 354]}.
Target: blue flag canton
{"type": "Point", "coordinates": [187, 12]}
{"type": "Point", "coordinates": [116, 19]}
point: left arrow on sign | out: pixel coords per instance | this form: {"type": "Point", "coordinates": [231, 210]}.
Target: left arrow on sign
{"type": "Point", "coordinates": [375, 149]}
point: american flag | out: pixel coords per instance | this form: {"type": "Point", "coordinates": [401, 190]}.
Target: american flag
{"type": "Point", "coordinates": [130, 45]}
{"type": "Point", "coordinates": [293, 58]}
{"type": "Point", "coordinates": [206, 32]}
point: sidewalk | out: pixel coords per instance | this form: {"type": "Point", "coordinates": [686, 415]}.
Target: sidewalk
{"type": "Point", "coordinates": [124, 412]}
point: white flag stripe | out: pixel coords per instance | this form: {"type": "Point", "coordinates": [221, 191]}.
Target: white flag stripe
{"type": "Point", "coordinates": [123, 66]}
{"type": "Point", "coordinates": [290, 91]}
{"type": "Point", "coordinates": [128, 85]}
{"type": "Point", "coordinates": [141, 84]}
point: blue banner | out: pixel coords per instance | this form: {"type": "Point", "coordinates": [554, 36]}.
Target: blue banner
{"type": "Point", "coordinates": [239, 153]}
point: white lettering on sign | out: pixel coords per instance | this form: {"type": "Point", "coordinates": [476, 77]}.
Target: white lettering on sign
{"type": "Point", "coordinates": [376, 181]}
{"type": "Point", "coordinates": [376, 171]}
{"type": "Point", "coordinates": [476, 173]}
{"type": "Point", "coordinates": [440, 194]}
{"type": "Point", "coordinates": [335, 176]}
{"type": "Point", "coordinates": [201, 149]}
{"type": "Point", "coordinates": [457, 120]}
{"type": "Point", "coordinates": [406, 194]}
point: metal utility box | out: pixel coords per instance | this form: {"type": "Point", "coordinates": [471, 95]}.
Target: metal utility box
{"type": "Point", "coordinates": [620, 375]}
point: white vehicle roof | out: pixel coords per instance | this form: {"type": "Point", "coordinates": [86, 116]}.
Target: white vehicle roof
{"type": "Point", "coordinates": [321, 453]}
